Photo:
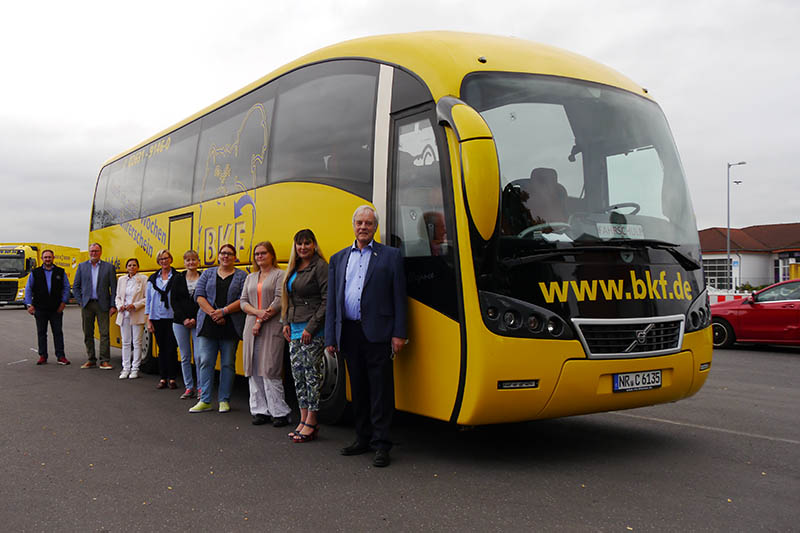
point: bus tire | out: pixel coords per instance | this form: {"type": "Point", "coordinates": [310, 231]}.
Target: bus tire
{"type": "Point", "coordinates": [723, 333]}
{"type": "Point", "coordinates": [149, 363]}
{"type": "Point", "coordinates": [333, 391]}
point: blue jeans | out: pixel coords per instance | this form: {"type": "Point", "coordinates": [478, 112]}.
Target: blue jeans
{"type": "Point", "coordinates": [208, 348]}
{"type": "Point", "coordinates": [184, 337]}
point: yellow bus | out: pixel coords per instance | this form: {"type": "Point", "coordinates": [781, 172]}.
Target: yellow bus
{"type": "Point", "coordinates": [551, 250]}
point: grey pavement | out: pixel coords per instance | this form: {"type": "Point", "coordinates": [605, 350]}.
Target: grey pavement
{"type": "Point", "coordinates": [83, 451]}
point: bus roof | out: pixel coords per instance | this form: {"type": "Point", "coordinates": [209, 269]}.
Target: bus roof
{"type": "Point", "coordinates": [441, 59]}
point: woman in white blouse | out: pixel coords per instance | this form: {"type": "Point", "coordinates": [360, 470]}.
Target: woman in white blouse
{"type": "Point", "coordinates": [130, 317]}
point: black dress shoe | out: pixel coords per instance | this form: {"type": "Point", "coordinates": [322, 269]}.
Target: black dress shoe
{"type": "Point", "coordinates": [381, 459]}
{"type": "Point", "coordinates": [260, 420]}
{"type": "Point", "coordinates": [280, 421]}
{"type": "Point", "coordinates": [357, 448]}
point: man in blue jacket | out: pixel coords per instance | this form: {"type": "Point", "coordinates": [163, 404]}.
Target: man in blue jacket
{"type": "Point", "coordinates": [366, 319]}
{"type": "Point", "coordinates": [95, 288]}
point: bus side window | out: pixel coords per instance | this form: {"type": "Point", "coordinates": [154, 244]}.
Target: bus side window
{"type": "Point", "coordinates": [324, 126]}
{"type": "Point", "coordinates": [232, 153]}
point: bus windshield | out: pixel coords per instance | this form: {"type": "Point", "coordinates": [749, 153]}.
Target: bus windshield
{"type": "Point", "coordinates": [582, 164]}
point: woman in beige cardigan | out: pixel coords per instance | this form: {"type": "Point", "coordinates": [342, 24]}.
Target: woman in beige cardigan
{"type": "Point", "coordinates": [130, 317]}
{"type": "Point", "coordinates": [262, 348]}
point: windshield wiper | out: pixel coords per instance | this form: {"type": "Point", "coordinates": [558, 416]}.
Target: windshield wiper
{"type": "Point", "coordinates": [542, 256]}
{"type": "Point", "coordinates": [684, 260]}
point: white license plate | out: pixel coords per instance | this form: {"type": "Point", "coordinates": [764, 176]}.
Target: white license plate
{"type": "Point", "coordinates": [629, 381]}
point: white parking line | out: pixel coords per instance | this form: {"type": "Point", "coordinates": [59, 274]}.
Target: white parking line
{"type": "Point", "coordinates": [709, 428]}
{"type": "Point", "coordinates": [20, 361]}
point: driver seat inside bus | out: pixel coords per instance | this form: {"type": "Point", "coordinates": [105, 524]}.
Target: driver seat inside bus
{"type": "Point", "coordinates": [547, 199]}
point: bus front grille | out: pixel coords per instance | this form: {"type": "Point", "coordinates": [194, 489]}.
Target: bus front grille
{"type": "Point", "coordinates": [630, 337]}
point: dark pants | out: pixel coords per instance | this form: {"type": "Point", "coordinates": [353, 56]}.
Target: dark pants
{"type": "Point", "coordinates": [55, 319]}
{"type": "Point", "coordinates": [371, 384]}
{"type": "Point", "coordinates": [167, 348]}
{"type": "Point", "coordinates": [89, 314]}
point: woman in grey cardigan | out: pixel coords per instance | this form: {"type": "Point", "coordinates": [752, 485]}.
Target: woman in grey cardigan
{"type": "Point", "coordinates": [262, 348]}
{"type": "Point", "coordinates": [305, 294]}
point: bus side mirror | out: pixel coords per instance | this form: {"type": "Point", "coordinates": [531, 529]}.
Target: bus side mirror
{"type": "Point", "coordinates": [481, 183]}
{"type": "Point", "coordinates": [480, 170]}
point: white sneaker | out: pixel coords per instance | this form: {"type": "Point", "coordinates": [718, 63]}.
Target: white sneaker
{"type": "Point", "coordinates": [124, 374]}
{"type": "Point", "coordinates": [134, 374]}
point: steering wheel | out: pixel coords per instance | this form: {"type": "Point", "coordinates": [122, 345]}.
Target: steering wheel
{"type": "Point", "coordinates": [559, 227]}
{"type": "Point", "coordinates": [636, 207]}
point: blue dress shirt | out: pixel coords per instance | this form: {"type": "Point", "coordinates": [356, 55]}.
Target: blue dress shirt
{"type": "Point", "coordinates": [357, 265]}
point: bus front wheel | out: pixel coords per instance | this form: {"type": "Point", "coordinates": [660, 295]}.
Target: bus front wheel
{"type": "Point", "coordinates": [332, 394]}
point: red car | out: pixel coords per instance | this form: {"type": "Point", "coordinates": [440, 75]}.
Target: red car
{"type": "Point", "coordinates": [769, 316]}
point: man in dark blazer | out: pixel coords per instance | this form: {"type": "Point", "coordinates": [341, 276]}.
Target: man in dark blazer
{"type": "Point", "coordinates": [95, 288]}
{"type": "Point", "coordinates": [366, 319]}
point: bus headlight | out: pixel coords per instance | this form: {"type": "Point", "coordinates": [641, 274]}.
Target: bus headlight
{"type": "Point", "coordinates": [699, 314]}
{"type": "Point", "coordinates": [555, 327]}
{"type": "Point", "coordinates": [511, 319]}
{"type": "Point", "coordinates": [535, 323]}
{"type": "Point", "coordinates": [508, 316]}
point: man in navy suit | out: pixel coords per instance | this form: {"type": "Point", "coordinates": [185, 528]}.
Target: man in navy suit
{"type": "Point", "coordinates": [366, 319]}
{"type": "Point", "coordinates": [95, 288]}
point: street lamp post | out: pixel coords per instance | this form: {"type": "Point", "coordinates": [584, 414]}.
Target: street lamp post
{"type": "Point", "coordinates": [728, 234]}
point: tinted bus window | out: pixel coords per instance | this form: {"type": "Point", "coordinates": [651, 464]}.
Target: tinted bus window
{"type": "Point", "coordinates": [232, 153]}
{"type": "Point", "coordinates": [169, 173]}
{"type": "Point", "coordinates": [324, 125]}
{"type": "Point", "coordinates": [124, 193]}
{"type": "Point", "coordinates": [100, 219]}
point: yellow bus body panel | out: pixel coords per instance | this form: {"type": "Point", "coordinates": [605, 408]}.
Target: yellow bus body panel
{"type": "Point", "coordinates": [426, 371]}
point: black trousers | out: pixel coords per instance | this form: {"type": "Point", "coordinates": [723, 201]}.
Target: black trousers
{"type": "Point", "coordinates": [167, 348]}
{"type": "Point", "coordinates": [371, 384]}
{"type": "Point", "coordinates": [55, 320]}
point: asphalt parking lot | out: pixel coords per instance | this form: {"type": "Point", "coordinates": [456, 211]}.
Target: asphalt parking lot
{"type": "Point", "coordinates": [83, 451]}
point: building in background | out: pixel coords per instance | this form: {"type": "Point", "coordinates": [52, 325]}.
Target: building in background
{"type": "Point", "coordinates": [760, 255]}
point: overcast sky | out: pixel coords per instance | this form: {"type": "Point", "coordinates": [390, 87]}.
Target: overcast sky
{"type": "Point", "coordinates": [84, 81]}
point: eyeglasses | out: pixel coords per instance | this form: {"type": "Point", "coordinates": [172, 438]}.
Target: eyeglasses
{"type": "Point", "coordinates": [225, 253]}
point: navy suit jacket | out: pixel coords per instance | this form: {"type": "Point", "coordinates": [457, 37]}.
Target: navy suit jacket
{"type": "Point", "coordinates": [106, 285]}
{"type": "Point", "coordinates": [383, 298]}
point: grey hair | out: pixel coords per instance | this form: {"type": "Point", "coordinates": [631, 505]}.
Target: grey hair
{"type": "Point", "coordinates": [365, 207]}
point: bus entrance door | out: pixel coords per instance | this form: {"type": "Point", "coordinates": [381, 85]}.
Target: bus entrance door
{"type": "Point", "coordinates": [181, 228]}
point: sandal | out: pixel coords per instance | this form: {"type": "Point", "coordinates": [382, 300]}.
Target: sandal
{"type": "Point", "coordinates": [173, 384]}
{"type": "Point", "coordinates": [300, 437]}
{"type": "Point", "coordinates": [293, 434]}
{"type": "Point", "coordinates": [162, 384]}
